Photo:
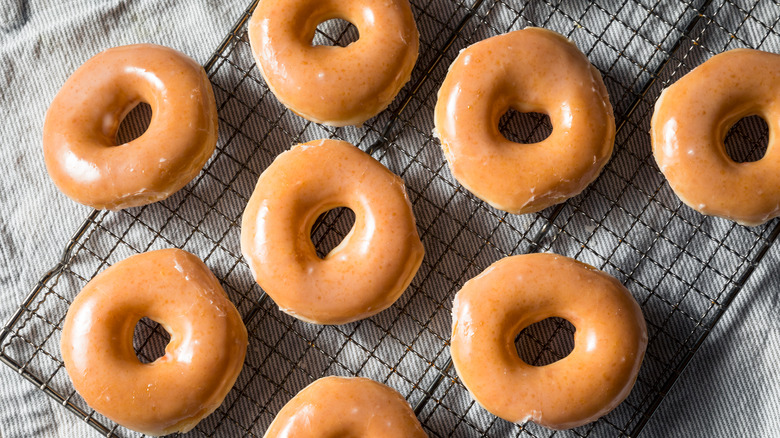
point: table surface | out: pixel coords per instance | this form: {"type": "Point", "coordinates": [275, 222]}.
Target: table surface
{"type": "Point", "coordinates": [730, 388]}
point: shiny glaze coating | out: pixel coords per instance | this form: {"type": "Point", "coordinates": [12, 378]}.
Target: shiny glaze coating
{"type": "Point", "coordinates": [515, 292]}
{"type": "Point", "coordinates": [346, 407]}
{"type": "Point", "coordinates": [201, 361]}
{"type": "Point", "coordinates": [79, 134]}
{"type": "Point", "coordinates": [367, 271]}
{"type": "Point", "coordinates": [331, 85]}
{"type": "Point", "coordinates": [530, 70]}
{"type": "Point", "coordinates": [690, 123]}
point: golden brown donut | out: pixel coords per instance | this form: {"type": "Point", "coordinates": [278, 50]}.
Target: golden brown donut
{"type": "Point", "coordinates": [690, 123]}
{"type": "Point", "coordinates": [367, 271]}
{"type": "Point", "coordinates": [79, 134]}
{"type": "Point", "coordinates": [346, 407]}
{"type": "Point", "coordinates": [515, 292]}
{"type": "Point", "coordinates": [201, 361]}
{"type": "Point", "coordinates": [530, 70]}
{"type": "Point", "coordinates": [336, 86]}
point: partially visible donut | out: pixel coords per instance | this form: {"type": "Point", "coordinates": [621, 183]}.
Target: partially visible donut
{"type": "Point", "coordinates": [367, 271]}
{"type": "Point", "coordinates": [346, 407]}
{"type": "Point", "coordinates": [201, 362]}
{"type": "Point", "coordinates": [335, 86]}
{"type": "Point", "coordinates": [609, 342]}
{"type": "Point", "coordinates": [690, 123]}
{"type": "Point", "coordinates": [79, 134]}
{"type": "Point", "coordinates": [530, 70]}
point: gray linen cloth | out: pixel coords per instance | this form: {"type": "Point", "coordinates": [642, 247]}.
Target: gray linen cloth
{"type": "Point", "coordinates": [730, 389]}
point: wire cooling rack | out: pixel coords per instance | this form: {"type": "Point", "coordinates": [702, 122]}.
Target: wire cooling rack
{"type": "Point", "coordinates": [683, 268]}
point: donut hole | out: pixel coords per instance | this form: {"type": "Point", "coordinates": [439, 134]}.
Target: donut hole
{"type": "Point", "coordinates": [135, 123]}
{"type": "Point", "coordinates": [330, 229]}
{"type": "Point", "coordinates": [747, 140]}
{"type": "Point", "coordinates": [150, 340]}
{"type": "Point", "coordinates": [335, 32]}
{"type": "Point", "coordinates": [545, 342]}
{"type": "Point", "coordinates": [524, 128]}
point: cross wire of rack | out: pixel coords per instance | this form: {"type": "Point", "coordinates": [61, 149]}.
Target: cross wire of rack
{"type": "Point", "coordinates": [683, 268]}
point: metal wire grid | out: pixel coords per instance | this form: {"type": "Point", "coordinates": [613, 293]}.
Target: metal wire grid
{"type": "Point", "coordinates": [682, 267]}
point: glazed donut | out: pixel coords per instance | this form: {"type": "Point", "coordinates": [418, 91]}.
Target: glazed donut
{"type": "Point", "coordinates": [690, 123]}
{"type": "Point", "coordinates": [79, 134]}
{"type": "Point", "coordinates": [201, 361]}
{"type": "Point", "coordinates": [367, 271]}
{"type": "Point", "coordinates": [515, 292]}
{"type": "Point", "coordinates": [335, 86]}
{"type": "Point", "coordinates": [346, 407]}
{"type": "Point", "coordinates": [530, 70]}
